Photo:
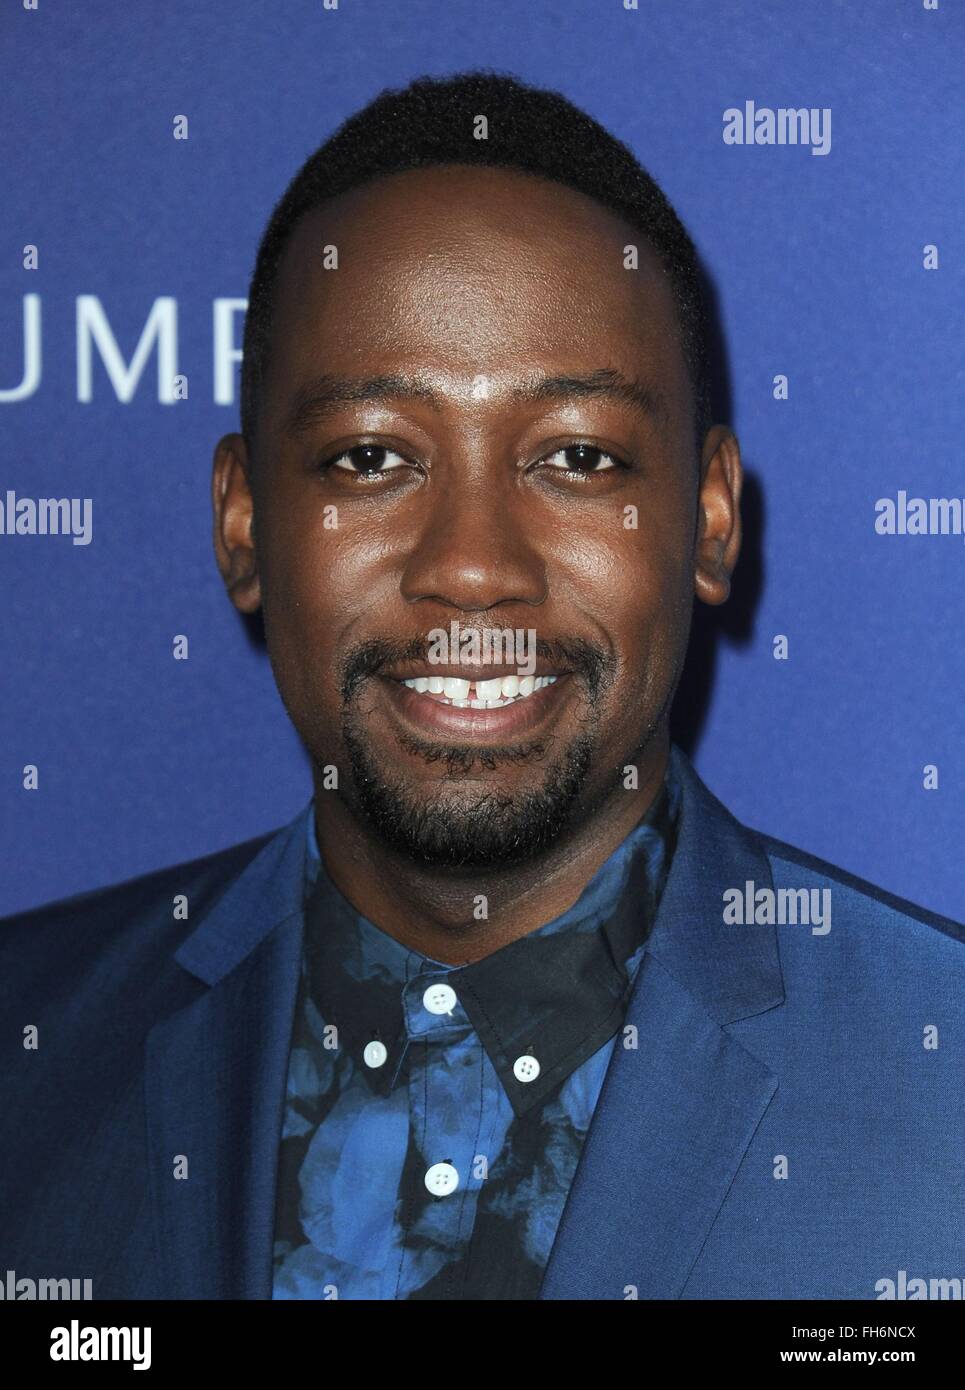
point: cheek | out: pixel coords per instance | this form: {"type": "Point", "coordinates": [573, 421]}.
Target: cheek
{"type": "Point", "coordinates": [303, 603]}
{"type": "Point", "coordinates": [301, 558]}
{"type": "Point", "coordinates": [635, 587]}
{"type": "Point", "coordinates": [630, 572]}
{"type": "Point", "coordinates": [329, 583]}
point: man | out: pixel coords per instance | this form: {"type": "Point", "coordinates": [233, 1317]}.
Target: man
{"type": "Point", "coordinates": [514, 1008]}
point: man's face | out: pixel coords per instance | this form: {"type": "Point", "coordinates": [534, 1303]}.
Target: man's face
{"type": "Point", "coordinates": [505, 480]}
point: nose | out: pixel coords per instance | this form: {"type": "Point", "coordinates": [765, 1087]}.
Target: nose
{"type": "Point", "coordinates": [474, 551]}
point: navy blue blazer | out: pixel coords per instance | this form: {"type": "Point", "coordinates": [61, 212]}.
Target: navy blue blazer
{"type": "Point", "coordinates": [790, 1123]}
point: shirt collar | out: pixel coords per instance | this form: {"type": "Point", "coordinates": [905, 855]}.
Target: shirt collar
{"type": "Point", "coordinates": [555, 995]}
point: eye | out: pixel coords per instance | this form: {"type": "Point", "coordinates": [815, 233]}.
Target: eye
{"type": "Point", "coordinates": [582, 459]}
{"type": "Point", "coordinates": [366, 460]}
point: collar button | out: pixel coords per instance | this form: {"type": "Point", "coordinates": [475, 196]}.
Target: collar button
{"type": "Point", "coordinates": [440, 999]}
{"type": "Point", "coordinates": [526, 1068]}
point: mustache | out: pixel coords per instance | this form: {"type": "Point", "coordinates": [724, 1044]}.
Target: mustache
{"type": "Point", "coordinates": [594, 664]}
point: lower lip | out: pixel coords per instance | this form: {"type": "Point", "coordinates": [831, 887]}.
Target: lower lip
{"type": "Point", "coordinates": [429, 715]}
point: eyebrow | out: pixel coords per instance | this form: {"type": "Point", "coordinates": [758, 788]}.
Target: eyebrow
{"type": "Point", "coordinates": [321, 397]}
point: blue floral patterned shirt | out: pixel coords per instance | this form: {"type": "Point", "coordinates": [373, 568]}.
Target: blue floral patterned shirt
{"type": "Point", "coordinates": [435, 1114]}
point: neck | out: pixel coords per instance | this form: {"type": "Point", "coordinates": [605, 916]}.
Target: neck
{"type": "Point", "coordinates": [432, 910]}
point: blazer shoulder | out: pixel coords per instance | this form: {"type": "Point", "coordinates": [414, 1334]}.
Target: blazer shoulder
{"type": "Point", "coordinates": [201, 879]}
{"type": "Point", "coordinates": [785, 859]}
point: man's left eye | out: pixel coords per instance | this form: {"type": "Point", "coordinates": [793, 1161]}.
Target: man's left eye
{"type": "Point", "coordinates": [582, 458]}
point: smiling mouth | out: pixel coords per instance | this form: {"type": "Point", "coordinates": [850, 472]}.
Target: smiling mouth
{"type": "Point", "coordinates": [498, 692]}
{"type": "Point", "coordinates": [504, 706]}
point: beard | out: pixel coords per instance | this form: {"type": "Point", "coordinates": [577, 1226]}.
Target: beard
{"type": "Point", "coordinates": [462, 823]}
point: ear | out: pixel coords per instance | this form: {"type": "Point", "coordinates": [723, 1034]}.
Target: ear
{"type": "Point", "coordinates": [234, 533]}
{"type": "Point", "coordinates": [718, 539]}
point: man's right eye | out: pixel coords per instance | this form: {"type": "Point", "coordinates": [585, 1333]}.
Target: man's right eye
{"type": "Point", "coordinates": [366, 460]}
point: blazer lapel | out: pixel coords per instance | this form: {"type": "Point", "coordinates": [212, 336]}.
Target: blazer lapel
{"type": "Point", "coordinates": [215, 1075]}
{"type": "Point", "coordinates": [677, 1111]}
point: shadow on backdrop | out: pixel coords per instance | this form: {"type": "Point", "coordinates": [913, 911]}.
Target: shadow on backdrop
{"type": "Point", "coordinates": [733, 621]}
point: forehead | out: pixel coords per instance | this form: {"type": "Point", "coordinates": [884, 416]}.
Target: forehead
{"type": "Point", "coordinates": [474, 270]}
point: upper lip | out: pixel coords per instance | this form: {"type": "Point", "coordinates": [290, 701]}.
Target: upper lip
{"type": "Point", "coordinates": [464, 671]}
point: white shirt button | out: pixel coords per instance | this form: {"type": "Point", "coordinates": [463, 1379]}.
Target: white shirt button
{"type": "Point", "coordinates": [441, 1179]}
{"type": "Point", "coordinates": [375, 1053]}
{"type": "Point", "coordinates": [440, 999]}
{"type": "Point", "coordinates": [526, 1068]}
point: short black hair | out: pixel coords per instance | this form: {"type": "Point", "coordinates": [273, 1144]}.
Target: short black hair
{"type": "Point", "coordinates": [431, 122]}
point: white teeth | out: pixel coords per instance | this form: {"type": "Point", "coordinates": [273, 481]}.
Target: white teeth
{"type": "Point", "coordinates": [496, 693]}
{"type": "Point", "coordinates": [490, 690]}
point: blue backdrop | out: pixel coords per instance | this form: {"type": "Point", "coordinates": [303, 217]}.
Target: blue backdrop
{"type": "Point", "coordinates": [821, 274]}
